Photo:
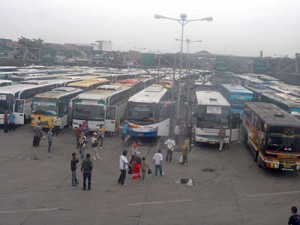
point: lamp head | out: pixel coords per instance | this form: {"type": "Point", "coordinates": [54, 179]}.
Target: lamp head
{"type": "Point", "coordinates": [208, 19]}
{"type": "Point", "coordinates": [183, 17]}
{"type": "Point", "coordinates": [156, 16]}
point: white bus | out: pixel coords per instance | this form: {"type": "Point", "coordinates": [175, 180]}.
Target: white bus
{"type": "Point", "coordinates": [149, 111]}
{"type": "Point", "coordinates": [104, 105]}
{"type": "Point", "coordinates": [18, 98]}
{"type": "Point", "coordinates": [212, 112]}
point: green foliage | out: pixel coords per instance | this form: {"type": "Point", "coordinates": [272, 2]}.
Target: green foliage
{"type": "Point", "coordinates": [31, 43]}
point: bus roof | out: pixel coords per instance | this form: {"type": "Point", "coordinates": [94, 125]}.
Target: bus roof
{"type": "Point", "coordinates": [88, 82]}
{"type": "Point", "coordinates": [13, 89]}
{"type": "Point", "coordinates": [237, 89]}
{"type": "Point", "coordinates": [102, 92]}
{"type": "Point", "coordinates": [211, 98]}
{"type": "Point", "coordinates": [58, 93]}
{"type": "Point", "coordinates": [151, 94]}
{"type": "Point", "coordinates": [273, 115]}
{"type": "Point", "coordinates": [283, 98]}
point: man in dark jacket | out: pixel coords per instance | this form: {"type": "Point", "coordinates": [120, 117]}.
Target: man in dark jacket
{"type": "Point", "coordinates": [74, 162]}
{"type": "Point", "coordinates": [86, 168]}
{"type": "Point", "coordinates": [294, 218]}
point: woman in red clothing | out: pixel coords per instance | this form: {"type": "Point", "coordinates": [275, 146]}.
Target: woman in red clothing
{"type": "Point", "coordinates": [136, 169]}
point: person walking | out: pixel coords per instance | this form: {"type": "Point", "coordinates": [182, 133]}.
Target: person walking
{"type": "Point", "coordinates": [158, 159]}
{"type": "Point", "coordinates": [145, 167]}
{"type": "Point", "coordinates": [74, 163]}
{"type": "Point", "coordinates": [11, 121]}
{"type": "Point", "coordinates": [82, 143]}
{"type": "Point", "coordinates": [37, 134]}
{"type": "Point", "coordinates": [125, 131]}
{"type": "Point", "coordinates": [50, 136]}
{"type": "Point", "coordinates": [5, 122]}
{"type": "Point", "coordinates": [101, 134]}
{"type": "Point", "coordinates": [136, 170]}
{"type": "Point", "coordinates": [294, 218]}
{"type": "Point", "coordinates": [221, 136]}
{"type": "Point", "coordinates": [177, 133]}
{"type": "Point", "coordinates": [185, 151]}
{"type": "Point", "coordinates": [95, 146]}
{"type": "Point", "coordinates": [123, 168]}
{"type": "Point", "coordinates": [170, 142]}
{"type": "Point", "coordinates": [57, 124]}
{"type": "Point", "coordinates": [77, 134]}
{"type": "Point", "coordinates": [134, 150]}
{"type": "Point", "coordinates": [86, 169]}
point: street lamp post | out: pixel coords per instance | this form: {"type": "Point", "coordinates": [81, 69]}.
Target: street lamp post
{"type": "Point", "coordinates": [182, 21]}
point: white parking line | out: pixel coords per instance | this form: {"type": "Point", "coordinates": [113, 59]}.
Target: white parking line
{"type": "Point", "coordinates": [31, 210]}
{"type": "Point", "coordinates": [272, 194]}
{"type": "Point", "coordinates": [160, 202]}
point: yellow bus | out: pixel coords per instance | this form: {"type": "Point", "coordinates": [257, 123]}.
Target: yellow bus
{"type": "Point", "coordinates": [89, 84]}
{"type": "Point", "coordinates": [49, 105]}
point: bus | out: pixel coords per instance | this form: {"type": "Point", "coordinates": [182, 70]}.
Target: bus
{"type": "Point", "coordinates": [5, 83]}
{"type": "Point", "coordinates": [18, 98]}
{"type": "Point", "coordinates": [285, 101]}
{"type": "Point", "coordinates": [236, 95]}
{"type": "Point", "coordinates": [148, 112]}
{"type": "Point", "coordinates": [104, 105]}
{"type": "Point", "coordinates": [89, 84]}
{"type": "Point", "coordinates": [49, 105]}
{"type": "Point", "coordinates": [272, 135]}
{"type": "Point", "coordinates": [212, 113]}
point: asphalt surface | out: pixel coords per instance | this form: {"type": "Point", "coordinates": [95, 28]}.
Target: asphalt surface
{"type": "Point", "coordinates": [229, 188]}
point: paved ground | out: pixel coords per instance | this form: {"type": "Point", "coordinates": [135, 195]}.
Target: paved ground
{"type": "Point", "coordinates": [230, 188]}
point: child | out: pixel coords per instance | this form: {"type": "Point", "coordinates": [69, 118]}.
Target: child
{"type": "Point", "coordinates": [145, 167]}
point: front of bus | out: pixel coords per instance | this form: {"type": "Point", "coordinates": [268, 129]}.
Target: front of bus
{"type": "Point", "coordinates": [92, 111]}
{"type": "Point", "coordinates": [142, 119]}
{"type": "Point", "coordinates": [209, 120]}
{"type": "Point", "coordinates": [281, 149]}
{"type": "Point", "coordinates": [45, 110]}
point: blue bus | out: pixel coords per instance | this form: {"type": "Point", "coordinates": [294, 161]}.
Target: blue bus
{"type": "Point", "coordinates": [237, 96]}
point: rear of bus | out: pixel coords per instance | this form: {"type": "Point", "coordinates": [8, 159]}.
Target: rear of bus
{"type": "Point", "coordinates": [212, 114]}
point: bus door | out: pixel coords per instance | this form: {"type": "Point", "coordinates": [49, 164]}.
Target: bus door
{"type": "Point", "coordinates": [164, 119]}
{"type": "Point", "coordinates": [235, 127]}
{"type": "Point", "coordinates": [19, 112]}
{"type": "Point", "coordinates": [110, 119]}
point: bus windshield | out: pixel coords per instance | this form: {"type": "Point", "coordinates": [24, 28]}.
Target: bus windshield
{"type": "Point", "coordinates": [213, 117]}
{"type": "Point", "coordinates": [140, 111]}
{"type": "Point", "coordinates": [6, 103]}
{"type": "Point", "coordinates": [283, 139]}
{"type": "Point", "coordinates": [44, 106]}
{"type": "Point", "coordinates": [89, 112]}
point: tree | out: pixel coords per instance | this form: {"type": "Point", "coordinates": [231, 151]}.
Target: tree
{"type": "Point", "coordinates": [31, 43]}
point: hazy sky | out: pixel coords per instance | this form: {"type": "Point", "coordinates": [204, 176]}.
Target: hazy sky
{"type": "Point", "coordinates": [239, 28]}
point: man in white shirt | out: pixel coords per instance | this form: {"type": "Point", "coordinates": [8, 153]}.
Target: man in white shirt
{"type": "Point", "coordinates": [123, 168]}
{"type": "Point", "coordinates": [57, 124]}
{"type": "Point", "coordinates": [171, 145]}
{"type": "Point", "coordinates": [158, 159]}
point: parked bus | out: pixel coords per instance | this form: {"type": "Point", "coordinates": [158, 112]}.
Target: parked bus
{"type": "Point", "coordinates": [272, 135]}
{"type": "Point", "coordinates": [49, 105]}
{"type": "Point", "coordinates": [237, 96]}
{"type": "Point", "coordinates": [104, 105]}
{"type": "Point", "coordinates": [149, 112]}
{"type": "Point", "coordinates": [212, 113]}
{"type": "Point", "coordinates": [89, 84]}
{"type": "Point", "coordinates": [18, 98]}
{"type": "Point", "coordinates": [5, 83]}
